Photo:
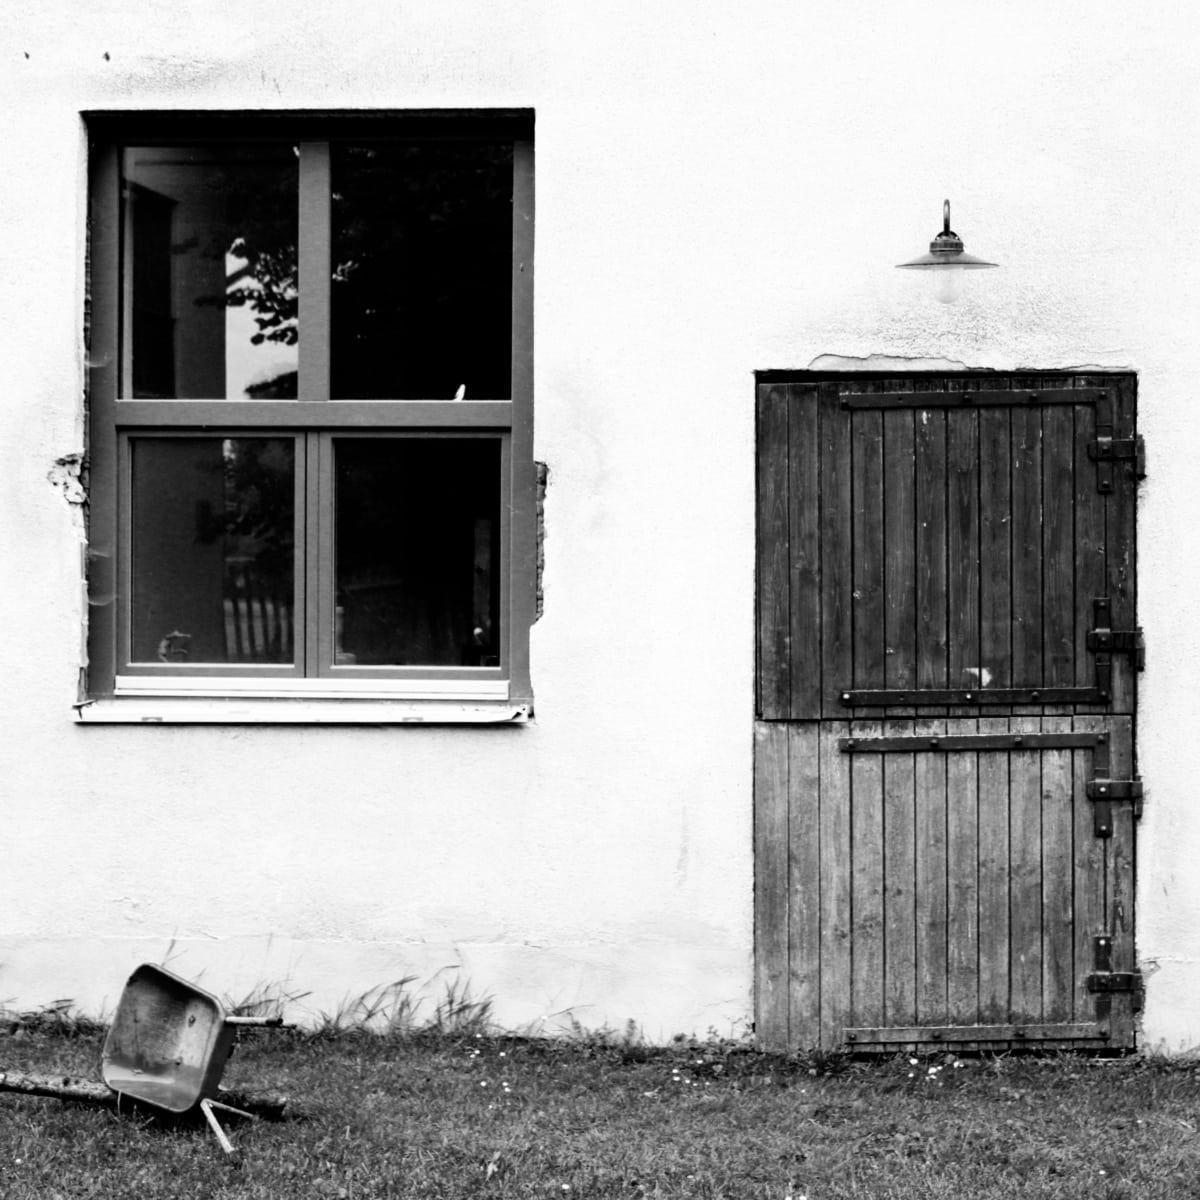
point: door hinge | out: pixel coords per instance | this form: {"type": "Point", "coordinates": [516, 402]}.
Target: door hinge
{"type": "Point", "coordinates": [1104, 641]}
{"type": "Point", "coordinates": [1104, 981]}
{"type": "Point", "coordinates": [1105, 450]}
{"type": "Point", "coordinates": [1104, 791]}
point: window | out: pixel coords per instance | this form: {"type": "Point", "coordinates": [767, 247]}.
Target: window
{"type": "Point", "coordinates": [310, 416]}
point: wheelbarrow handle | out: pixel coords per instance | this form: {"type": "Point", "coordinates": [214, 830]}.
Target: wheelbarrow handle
{"type": "Point", "coordinates": [270, 1022]}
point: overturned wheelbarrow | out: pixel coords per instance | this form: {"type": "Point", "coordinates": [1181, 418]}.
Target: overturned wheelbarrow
{"type": "Point", "coordinates": [169, 1043]}
{"type": "Point", "coordinates": [167, 1047]}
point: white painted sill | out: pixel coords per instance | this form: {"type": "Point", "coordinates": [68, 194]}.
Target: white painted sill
{"type": "Point", "coordinates": [217, 708]}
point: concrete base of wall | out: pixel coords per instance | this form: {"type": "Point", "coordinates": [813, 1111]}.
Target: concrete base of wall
{"type": "Point", "coordinates": [662, 989]}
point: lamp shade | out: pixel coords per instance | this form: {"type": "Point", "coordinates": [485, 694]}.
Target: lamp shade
{"type": "Point", "coordinates": [946, 250]}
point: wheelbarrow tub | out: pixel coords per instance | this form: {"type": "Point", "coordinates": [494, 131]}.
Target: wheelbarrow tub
{"type": "Point", "coordinates": [168, 1043]}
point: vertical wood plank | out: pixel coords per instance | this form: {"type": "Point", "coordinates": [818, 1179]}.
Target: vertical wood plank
{"type": "Point", "coordinates": [899, 879]}
{"type": "Point", "coordinates": [1122, 530]}
{"type": "Point", "coordinates": [995, 547]}
{"type": "Point", "coordinates": [932, 867]}
{"type": "Point", "coordinates": [1025, 876]}
{"type": "Point", "coordinates": [804, 551]}
{"type": "Point", "coordinates": [867, 960]}
{"type": "Point", "coordinates": [1027, 547]}
{"type": "Point", "coordinates": [836, 543]}
{"type": "Point", "coordinates": [993, 879]}
{"type": "Point", "coordinates": [1058, 878]}
{"type": "Point", "coordinates": [1090, 567]}
{"type": "Point", "coordinates": [774, 574]}
{"type": "Point", "coordinates": [964, 658]}
{"type": "Point", "coordinates": [1058, 546]}
{"type": "Point", "coordinates": [836, 913]}
{"type": "Point", "coordinates": [962, 884]}
{"type": "Point", "coordinates": [771, 885]}
{"type": "Point", "coordinates": [899, 521]}
{"type": "Point", "coordinates": [931, 547]}
{"type": "Point", "coordinates": [804, 895]}
{"type": "Point", "coordinates": [1090, 882]}
{"type": "Point", "coordinates": [1120, 872]}
{"type": "Point", "coordinates": [868, 554]}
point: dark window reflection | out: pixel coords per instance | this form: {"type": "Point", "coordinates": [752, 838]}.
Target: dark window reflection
{"type": "Point", "coordinates": [213, 532]}
{"type": "Point", "coordinates": [418, 551]}
{"type": "Point", "coordinates": [422, 271]}
{"type": "Point", "coordinates": [210, 271]}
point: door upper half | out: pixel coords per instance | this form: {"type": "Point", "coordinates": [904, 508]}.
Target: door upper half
{"type": "Point", "coordinates": [955, 542]}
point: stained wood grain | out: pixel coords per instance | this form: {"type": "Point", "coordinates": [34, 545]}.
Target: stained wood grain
{"type": "Point", "coordinates": [1119, 870]}
{"type": "Point", "coordinates": [899, 885]}
{"type": "Point", "coordinates": [1091, 569]}
{"type": "Point", "coordinates": [1090, 881]}
{"type": "Point", "coordinates": [1027, 611]}
{"type": "Point", "coordinates": [932, 851]}
{"type": "Point", "coordinates": [771, 884]}
{"type": "Point", "coordinates": [835, 884]}
{"type": "Point", "coordinates": [1058, 915]}
{"type": "Point", "coordinates": [962, 881]}
{"type": "Point", "coordinates": [962, 551]}
{"type": "Point", "coordinates": [804, 552]}
{"type": "Point", "coordinates": [1058, 548]}
{"type": "Point", "coordinates": [869, 551]}
{"type": "Point", "coordinates": [932, 598]}
{"type": "Point", "coordinates": [836, 543]}
{"type": "Point", "coordinates": [867, 968]}
{"type": "Point", "coordinates": [1121, 555]}
{"type": "Point", "coordinates": [995, 547]}
{"type": "Point", "coordinates": [1025, 877]}
{"type": "Point", "coordinates": [900, 568]}
{"type": "Point", "coordinates": [993, 879]}
{"type": "Point", "coordinates": [774, 575]}
{"type": "Point", "coordinates": [803, 896]}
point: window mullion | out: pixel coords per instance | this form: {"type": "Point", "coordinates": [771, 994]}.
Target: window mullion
{"type": "Point", "coordinates": [313, 257]}
{"type": "Point", "coordinates": [315, 568]}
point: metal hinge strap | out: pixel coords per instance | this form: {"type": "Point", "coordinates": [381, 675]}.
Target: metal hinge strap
{"type": "Point", "coordinates": [1119, 641]}
{"type": "Point", "coordinates": [1106, 450]}
{"type": "Point", "coordinates": [1114, 789]}
{"type": "Point", "coordinates": [1103, 791]}
{"type": "Point", "coordinates": [1107, 982]}
{"type": "Point", "coordinates": [1104, 641]}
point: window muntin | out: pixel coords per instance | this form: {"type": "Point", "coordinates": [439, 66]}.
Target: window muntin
{"type": "Point", "coordinates": [483, 445]}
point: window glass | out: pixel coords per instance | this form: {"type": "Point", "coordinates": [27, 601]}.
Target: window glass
{"type": "Point", "coordinates": [210, 299]}
{"type": "Point", "coordinates": [421, 303]}
{"type": "Point", "coordinates": [213, 576]}
{"type": "Point", "coordinates": [417, 528]}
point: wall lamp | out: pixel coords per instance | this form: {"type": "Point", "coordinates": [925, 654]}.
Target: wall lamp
{"type": "Point", "coordinates": [946, 261]}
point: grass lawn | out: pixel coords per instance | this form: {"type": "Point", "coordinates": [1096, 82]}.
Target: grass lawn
{"type": "Point", "coordinates": [456, 1115]}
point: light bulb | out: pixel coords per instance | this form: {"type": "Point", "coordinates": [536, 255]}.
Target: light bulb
{"type": "Point", "coordinates": [948, 284]}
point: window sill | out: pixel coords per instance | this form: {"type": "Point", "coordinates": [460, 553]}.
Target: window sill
{"type": "Point", "coordinates": [251, 710]}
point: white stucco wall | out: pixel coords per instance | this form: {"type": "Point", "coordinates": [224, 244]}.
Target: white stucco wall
{"type": "Point", "coordinates": [721, 188]}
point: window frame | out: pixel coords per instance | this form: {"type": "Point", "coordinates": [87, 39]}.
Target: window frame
{"type": "Point", "coordinates": [218, 692]}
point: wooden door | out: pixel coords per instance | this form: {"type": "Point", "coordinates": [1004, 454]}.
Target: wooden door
{"type": "Point", "coordinates": [945, 779]}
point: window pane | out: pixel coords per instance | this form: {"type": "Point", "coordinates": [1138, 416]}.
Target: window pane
{"type": "Point", "coordinates": [422, 271]}
{"type": "Point", "coordinates": [213, 526]}
{"type": "Point", "coordinates": [210, 272]}
{"type": "Point", "coordinates": [417, 551]}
